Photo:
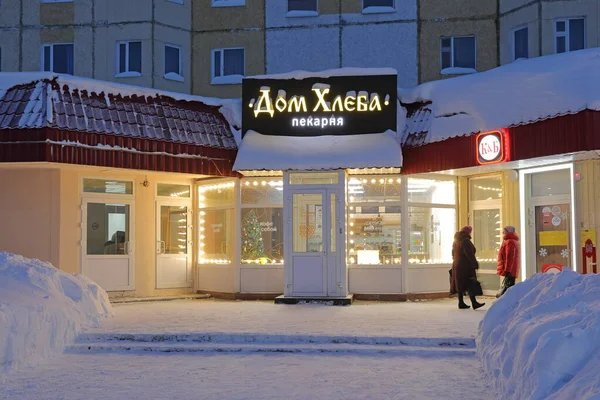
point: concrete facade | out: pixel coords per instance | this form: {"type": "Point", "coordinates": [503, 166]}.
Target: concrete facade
{"type": "Point", "coordinates": [540, 17]}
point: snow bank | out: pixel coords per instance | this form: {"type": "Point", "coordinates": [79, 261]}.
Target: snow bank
{"type": "Point", "coordinates": [517, 93]}
{"type": "Point", "coordinates": [541, 340]}
{"type": "Point", "coordinates": [346, 71]}
{"type": "Point", "coordinates": [42, 309]}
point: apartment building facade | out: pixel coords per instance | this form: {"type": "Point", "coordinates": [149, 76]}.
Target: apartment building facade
{"type": "Point", "coordinates": [206, 47]}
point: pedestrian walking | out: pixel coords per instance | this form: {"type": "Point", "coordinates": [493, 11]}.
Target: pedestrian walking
{"type": "Point", "coordinates": [508, 259]}
{"type": "Point", "coordinates": [464, 269]}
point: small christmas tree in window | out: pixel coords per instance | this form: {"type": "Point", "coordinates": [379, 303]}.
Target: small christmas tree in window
{"type": "Point", "coordinates": [252, 242]}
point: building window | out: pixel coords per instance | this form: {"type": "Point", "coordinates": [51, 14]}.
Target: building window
{"type": "Point", "coordinates": [58, 58]}
{"type": "Point", "coordinates": [107, 186]}
{"type": "Point", "coordinates": [129, 59]}
{"type": "Point", "coordinates": [458, 55]}
{"type": "Point", "coordinates": [173, 63]}
{"type": "Point", "coordinates": [374, 220]}
{"type": "Point", "coordinates": [432, 220]}
{"type": "Point", "coordinates": [0, 59]}
{"type": "Point", "coordinates": [569, 34]}
{"type": "Point", "coordinates": [520, 42]}
{"type": "Point", "coordinates": [302, 5]}
{"type": "Point", "coordinates": [262, 221]}
{"type": "Point", "coordinates": [176, 1]}
{"type": "Point", "coordinates": [378, 6]}
{"type": "Point", "coordinates": [57, 1]}
{"type": "Point", "coordinates": [216, 222]}
{"type": "Point", "coordinates": [228, 3]}
{"type": "Point", "coordinates": [227, 66]}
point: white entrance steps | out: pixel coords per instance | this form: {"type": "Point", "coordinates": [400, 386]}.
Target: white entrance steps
{"type": "Point", "coordinates": [334, 301]}
{"type": "Point", "coordinates": [266, 343]}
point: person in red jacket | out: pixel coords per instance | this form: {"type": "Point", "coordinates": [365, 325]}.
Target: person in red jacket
{"type": "Point", "coordinates": [508, 259]}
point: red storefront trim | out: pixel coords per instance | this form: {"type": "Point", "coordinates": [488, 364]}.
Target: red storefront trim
{"type": "Point", "coordinates": [554, 136]}
{"type": "Point", "coordinates": [83, 148]}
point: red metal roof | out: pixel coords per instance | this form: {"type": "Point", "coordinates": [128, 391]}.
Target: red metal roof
{"type": "Point", "coordinates": [148, 132]}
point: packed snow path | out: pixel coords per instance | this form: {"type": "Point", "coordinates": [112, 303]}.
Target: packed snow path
{"type": "Point", "coordinates": [258, 350]}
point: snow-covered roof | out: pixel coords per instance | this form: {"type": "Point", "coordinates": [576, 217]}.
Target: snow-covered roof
{"type": "Point", "coordinates": [36, 100]}
{"type": "Point", "coordinates": [263, 152]}
{"type": "Point", "coordinates": [347, 71]}
{"type": "Point", "coordinates": [522, 92]}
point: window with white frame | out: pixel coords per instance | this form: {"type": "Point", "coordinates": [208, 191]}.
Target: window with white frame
{"type": "Point", "coordinates": [520, 43]}
{"type": "Point", "coordinates": [569, 34]}
{"type": "Point", "coordinates": [458, 55]}
{"type": "Point", "coordinates": [58, 57]}
{"type": "Point", "coordinates": [302, 5]}
{"type": "Point", "coordinates": [173, 63]}
{"type": "Point", "coordinates": [227, 66]}
{"type": "Point", "coordinates": [378, 6]}
{"type": "Point", "coordinates": [228, 3]}
{"type": "Point", "coordinates": [129, 58]}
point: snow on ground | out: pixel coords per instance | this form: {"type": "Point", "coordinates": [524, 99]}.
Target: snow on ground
{"type": "Point", "coordinates": [517, 93]}
{"type": "Point", "coordinates": [541, 340]}
{"type": "Point", "coordinates": [42, 310]}
{"type": "Point", "coordinates": [259, 350]}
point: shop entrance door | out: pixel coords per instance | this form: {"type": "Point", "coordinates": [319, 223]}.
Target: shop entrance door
{"type": "Point", "coordinates": [107, 242]}
{"type": "Point", "coordinates": [173, 244]}
{"type": "Point", "coordinates": [551, 233]}
{"type": "Point", "coordinates": [313, 259]}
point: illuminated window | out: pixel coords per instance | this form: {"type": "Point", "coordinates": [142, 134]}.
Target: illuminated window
{"type": "Point", "coordinates": [432, 220]}
{"type": "Point", "coordinates": [569, 34]}
{"type": "Point", "coordinates": [374, 220]}
{"type": "Point", "coordinates": [227, 66]}
{"type": "Point", "coordinates": [216, 221]}
{"type": "Point", "coordinates": [458, 55]}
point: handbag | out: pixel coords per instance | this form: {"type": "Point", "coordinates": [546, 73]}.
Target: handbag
{"type": "Point", "coordinates": [507, 282]}
{"type": "Point", "coordinates": [475, 288]}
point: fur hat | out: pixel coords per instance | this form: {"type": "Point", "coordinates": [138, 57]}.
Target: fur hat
{"type": "Point", "coordinates": [467, 229]}
{"type": "Point", "coordinates": [509, 229]}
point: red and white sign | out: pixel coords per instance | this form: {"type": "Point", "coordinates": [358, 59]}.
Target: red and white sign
{"type": "Point", "coordinates": [490, 147]}
{"type": "Point", "coordinates": [552, 268]}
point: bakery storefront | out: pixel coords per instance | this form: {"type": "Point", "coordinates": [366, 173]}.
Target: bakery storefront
{"type": "Point", "coordinates": [322, 210]}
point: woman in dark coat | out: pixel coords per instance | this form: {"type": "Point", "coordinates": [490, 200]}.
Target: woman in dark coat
{"type": "Point", "coordinates": [464, 267]}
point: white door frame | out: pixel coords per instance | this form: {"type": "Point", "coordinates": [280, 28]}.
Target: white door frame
{"type": "Point", "coordinates": [337, 276]}
{"type": "Point", "coordinates": [527, 215]}
{"type": "Point", "coordinates": [129, 245]}
{"type": "Point", "coordinates": [176, 202]}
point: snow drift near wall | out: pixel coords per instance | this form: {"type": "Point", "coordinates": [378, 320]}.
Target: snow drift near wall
{"type": "Point", "coordinates": [541, 340]}
{"type": "Point", "coordinates": [42, 309]}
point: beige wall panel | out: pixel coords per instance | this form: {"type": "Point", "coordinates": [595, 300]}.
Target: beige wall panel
{"type": "Point", "coordinates": [83, 49]}
{"type": "Point", "coordinates": [30, 213]}
{"type": "Point", "coordinates": [57, 13]}
{"type": "Point", "coordinates": [208, 18]}
{"type": "Point", "coordinates": [510, 200]}
{"type": "Point", "coordinates": [431, 9]}
{"type": "Point", "coordinates": [9, 43]}
{"type": "Point", "coordinates": [31, 50]}
{"type": "Point", "coordinates": [569, 9]}
{"type": "Point", "coordinates": [431, 33]}
{"type": "Point", "coordinates": [463, 201]}
{"type": "Point", "coordinates": [164, 35]}
{"type": "Point", "coordinates": [10, 14]}
{"type": "Point", "coordinates": [66, 35]}
{"type": "Point", "coordinates": [203, 43]}
{"type": "Point", "coordinates": [352, 6]}
{"type": "Point", "coordinates": [106, 52]}
{"type": "Point", "coordinates": [525, 17]}
{"type": "Point", "coordinates": [587, 199]}
{"type": "Point", "coordinates": [144, 221]}
{"type": "Point", "coordinates": [115, 11]}
{"type": "Point", "coordinates": [175, 14]}
{"type": "Point", "coordinates": [329, 6]}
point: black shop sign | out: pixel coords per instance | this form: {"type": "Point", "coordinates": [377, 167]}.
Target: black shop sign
{"type": "Point", "coordinates": [341, 105]}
